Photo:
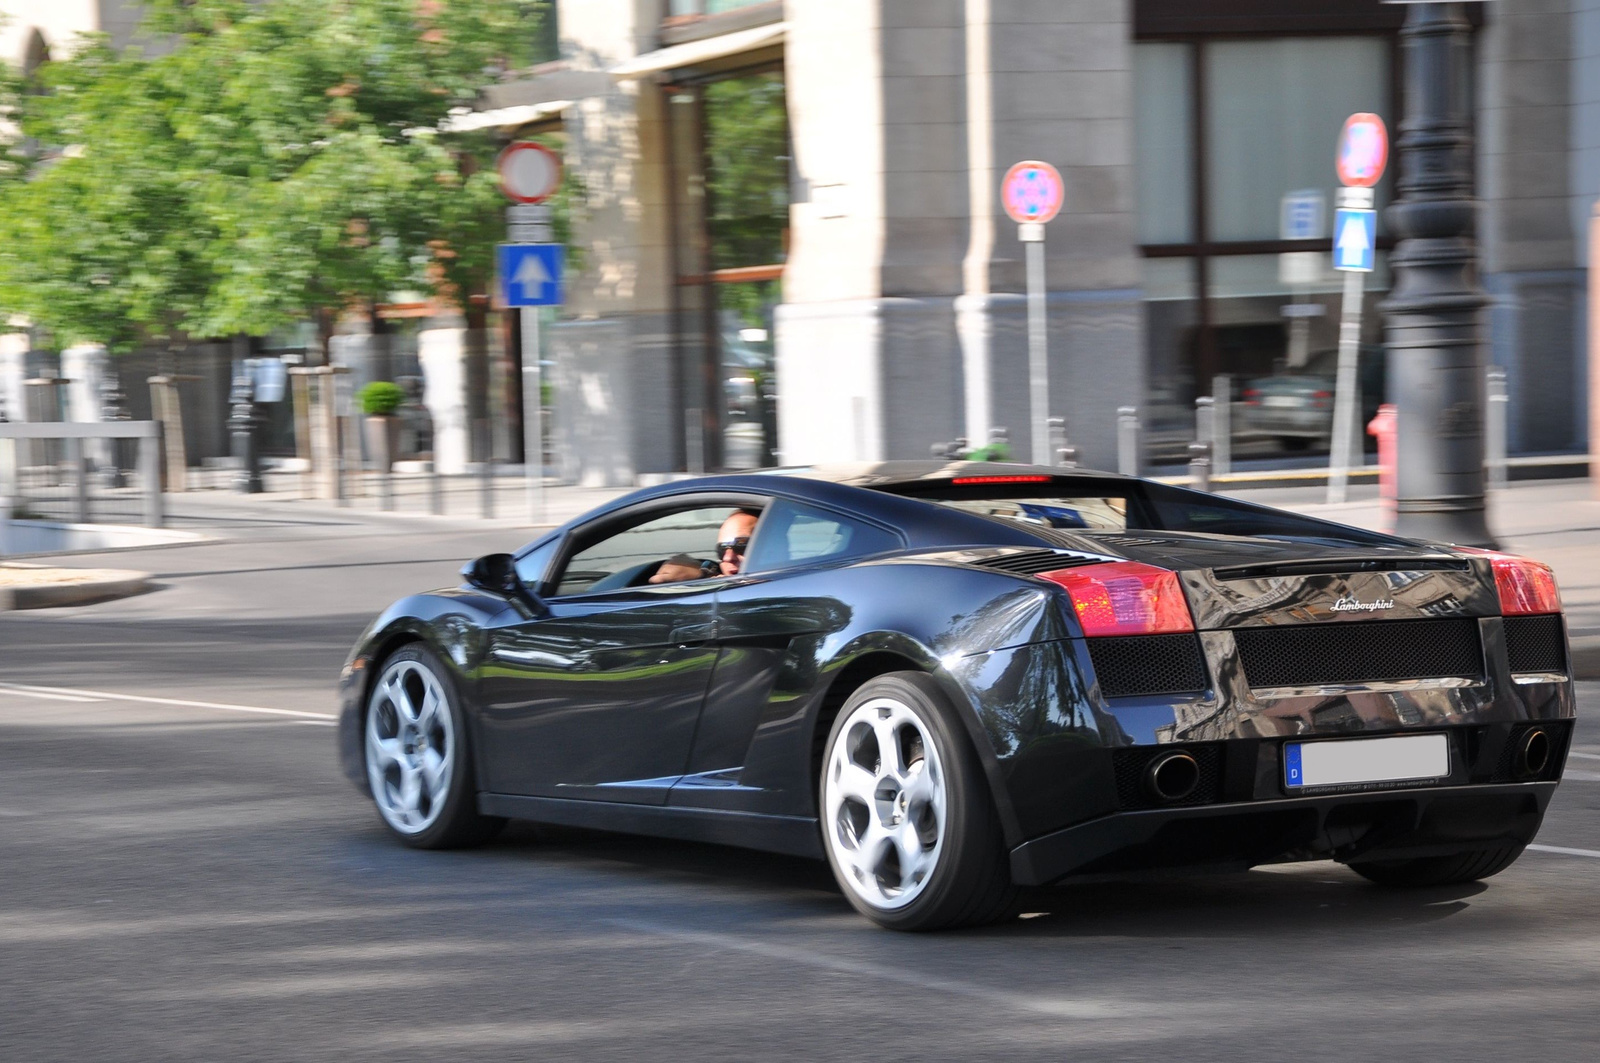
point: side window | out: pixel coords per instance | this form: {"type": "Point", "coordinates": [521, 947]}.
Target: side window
{"type": "Point", "coordinates": [793, 533]}
{"type": "Point", "coordinates": [629, 557]}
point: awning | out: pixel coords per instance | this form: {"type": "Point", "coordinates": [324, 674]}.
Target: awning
{"type": "Point", "coordinates": [697, 53]}
{"type": "Point", "coordinates": [506, 118]}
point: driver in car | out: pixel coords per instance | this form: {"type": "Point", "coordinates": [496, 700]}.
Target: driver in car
{"type": "Point", "coordinates": [733, 539]}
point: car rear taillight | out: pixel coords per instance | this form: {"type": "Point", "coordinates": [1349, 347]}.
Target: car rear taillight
{"type": "Point", "coordinates": [1125, 598]}
{"type": "Point", "coordinates": [1527, 587]}
{"type": "Point", "coordinates": [1320, 398]}
{"type": "Point", "coordinates": [1252, 397]}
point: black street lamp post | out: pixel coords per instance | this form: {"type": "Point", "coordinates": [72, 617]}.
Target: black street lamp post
{"type": "Point", "coordinates": [1436, 366]}
{"type": "Point", "coordinates": [245, 424]}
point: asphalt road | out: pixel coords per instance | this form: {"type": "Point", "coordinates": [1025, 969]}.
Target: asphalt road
{"type": "Point", "coordinates": [193, 882]}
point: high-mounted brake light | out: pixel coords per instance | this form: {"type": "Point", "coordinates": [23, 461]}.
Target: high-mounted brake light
{"type": "Point", "coordinates": [1527, 587]}
{"type": "Point", "coordinates": [1001, 480]}
{"type": "Point", "coordinates": [1125, 598]}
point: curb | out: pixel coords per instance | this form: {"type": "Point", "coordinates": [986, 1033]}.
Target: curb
{"type": "Point", "coordinates": [1586, 657]}
{"type": "Point", "coordinates": [48, 595]}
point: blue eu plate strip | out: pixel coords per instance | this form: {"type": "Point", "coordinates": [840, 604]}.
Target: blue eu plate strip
{"type": "Point", "coordinates": [1291, 764]}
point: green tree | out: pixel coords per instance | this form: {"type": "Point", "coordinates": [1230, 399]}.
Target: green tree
{"type": "Point", "coordinates": [279, 162]}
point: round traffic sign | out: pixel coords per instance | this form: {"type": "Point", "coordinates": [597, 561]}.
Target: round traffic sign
{"type": "Point", "coordinates": [1363, 150]}
{"type": "Point", "coordinates": [1032, 191]}
{"type": "Point", "coordinates": [529, 172]}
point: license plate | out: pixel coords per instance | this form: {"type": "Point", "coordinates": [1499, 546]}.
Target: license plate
{"type": "Point", "coordinates": [1353, 761]}
{"type": "Point", "coordinates": [1282, 400]}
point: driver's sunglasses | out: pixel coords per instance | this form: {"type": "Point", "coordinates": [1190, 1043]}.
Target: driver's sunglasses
{"type": "Point", "coordinates": [736, 545]}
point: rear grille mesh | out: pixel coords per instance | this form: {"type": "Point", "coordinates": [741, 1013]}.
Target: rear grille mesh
{"type": "Point", "coordinates": [1127, 665]}
{"type": "Point", "coordinates": [1536, 644]}
{"type": "Point", "coordinates": [1360, 652]}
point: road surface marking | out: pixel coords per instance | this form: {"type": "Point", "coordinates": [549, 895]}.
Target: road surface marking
{"type": "Point", "coordinates": [69, 694]}
{"type": "Point", "coordinates": [1585, 756]}
{"type": "Point", "coordinates": [316, 723]}
{"type": "Point", "coordinates": [1581, 776]}
{"type": "Point", "coordinates": [8, 689]}
{"type": "Point", "coordinates": [1564, 851]}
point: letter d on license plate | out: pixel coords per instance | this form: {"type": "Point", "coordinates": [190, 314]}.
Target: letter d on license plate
{"type": "Point", "coordinates": [1354, 761]}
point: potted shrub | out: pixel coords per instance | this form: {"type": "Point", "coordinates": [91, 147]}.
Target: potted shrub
{"type": "Point", "coordinates": [379, 401]}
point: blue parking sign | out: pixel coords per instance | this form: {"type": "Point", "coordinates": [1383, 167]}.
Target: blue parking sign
{"type": "Point", "coordinates": [1355, 240]}
{"type": "Point", "coordinates": [530, 274]}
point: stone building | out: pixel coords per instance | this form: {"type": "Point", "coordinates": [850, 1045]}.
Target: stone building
{"type": "Point", "coordinates": [895, 296]}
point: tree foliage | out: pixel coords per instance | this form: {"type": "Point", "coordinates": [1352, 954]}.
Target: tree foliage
{"type": "Point", "coordinates": [279, 160]}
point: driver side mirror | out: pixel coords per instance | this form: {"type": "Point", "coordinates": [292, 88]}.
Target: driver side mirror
{"type": "Point", "coordinates": [497, 573]}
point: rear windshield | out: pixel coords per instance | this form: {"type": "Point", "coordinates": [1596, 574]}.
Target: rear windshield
{"type": "Point", "coordinates": [1093, 506]}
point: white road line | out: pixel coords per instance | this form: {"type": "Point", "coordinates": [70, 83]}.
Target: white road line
{"type": "Point", "coordinates": [316, 723]}
{"type": "Point", "coordinates": [67, 694]}
{"type": "Point", "coordinates": [41, 694]}
{"type": "Point", "coordinates": [1564, 851]}
{"type": "Point", "coordinates": [1573, 775]}
{"type": "Point", "coordinates": [1585, 756]}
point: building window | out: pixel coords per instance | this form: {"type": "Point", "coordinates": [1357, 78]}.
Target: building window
{"type": "Point", "coordinates": [1225, 128]}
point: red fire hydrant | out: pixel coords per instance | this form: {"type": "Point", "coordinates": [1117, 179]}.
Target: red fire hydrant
{"type": "Point", "coordinates": [1384, 428]}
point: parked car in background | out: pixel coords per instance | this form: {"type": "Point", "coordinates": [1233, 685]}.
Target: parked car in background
{"type": "Point", "coordinates": [1296, 405]}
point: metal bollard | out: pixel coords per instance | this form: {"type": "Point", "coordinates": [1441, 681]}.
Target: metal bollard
{"type": "Point", "coordinates": [1200, 465]}
{"type": "Point", "coordinates": [1205, 420]}
{"type": "Point", "coordinates": [1494, 428]}
{"type": "Point", "coordinates": [1128, 440]}
{"type": "Point", "coordinates": [1222, 425]}
{"type": "Point", "coordinates": [435, 490]}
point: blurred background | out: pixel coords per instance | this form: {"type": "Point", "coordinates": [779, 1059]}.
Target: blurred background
{"type": "Point", "coordinates": [784, 237]}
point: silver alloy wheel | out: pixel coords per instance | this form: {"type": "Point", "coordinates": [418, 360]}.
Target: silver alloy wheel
{"type": "Point", "coordinates": [883, 800]}
{"type": "Point", "coordinates": [411, 746]}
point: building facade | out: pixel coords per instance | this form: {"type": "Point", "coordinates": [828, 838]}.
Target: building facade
{"type": "Point", "coordinates": [894, 298]}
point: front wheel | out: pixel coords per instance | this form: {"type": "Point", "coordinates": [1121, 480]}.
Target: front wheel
{"type": "Point", "coordinates": [418, 765]}
{"type": "Point", "coordinates": [1439, 870]}
{"type": "Point", "coordinates": [907, 822]}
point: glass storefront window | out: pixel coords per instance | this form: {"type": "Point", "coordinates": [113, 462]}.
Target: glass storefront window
{"type": "Point", "coordinates": [1164, 128]}
{"type": "Point", "coordinates": [1274, 109]}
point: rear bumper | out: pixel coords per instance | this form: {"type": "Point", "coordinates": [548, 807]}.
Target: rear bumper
{"type": "Point", "coordinates": [1349, 826]}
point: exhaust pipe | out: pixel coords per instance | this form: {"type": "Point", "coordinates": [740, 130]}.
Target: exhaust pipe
{"type": "Point", "coordinates": [1533, 754]}
{"type": "Point", "coordinates": [1172, 777]}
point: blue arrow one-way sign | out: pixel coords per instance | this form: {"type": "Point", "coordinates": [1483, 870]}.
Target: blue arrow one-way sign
{"type": "Point", "coordinates": [1355, 239]}
{"type": "Point", "coordinates": [530, 274]}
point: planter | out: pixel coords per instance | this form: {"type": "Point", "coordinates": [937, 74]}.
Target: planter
{"type": "Point", "coordinates": [383, 440]}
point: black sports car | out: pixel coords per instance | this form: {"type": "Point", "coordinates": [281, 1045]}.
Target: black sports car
{"type": "Point", "coordinates": [954, 679]}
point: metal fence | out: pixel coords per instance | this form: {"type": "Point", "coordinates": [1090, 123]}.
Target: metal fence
{"type": "Point", "coordinates": [82, 472]}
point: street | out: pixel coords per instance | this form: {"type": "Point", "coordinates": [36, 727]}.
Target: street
{"type": "Point", "coordinates": [188, 879]}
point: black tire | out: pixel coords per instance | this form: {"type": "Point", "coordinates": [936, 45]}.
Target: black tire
{"type": "Point", "coordinates": [456, 823]}
{"type": "Point", "coordinates": [1438, 870]}
{"type": "Point", "coordinates": [970, 882]}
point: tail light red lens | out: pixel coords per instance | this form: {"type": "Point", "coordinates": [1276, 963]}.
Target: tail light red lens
{"type": "Point", "coordinates": [1252, 397]}
{"type": "Point", "coordinates": [1527, 587]}
{"type": "Point", "coordinates": [1125, 598]}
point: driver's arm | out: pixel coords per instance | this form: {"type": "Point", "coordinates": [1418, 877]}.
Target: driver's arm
{"type": "Point", "coordinates": [680, 567]}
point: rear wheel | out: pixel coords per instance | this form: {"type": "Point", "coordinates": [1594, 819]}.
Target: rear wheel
{"type": "Point", "coordinates": [1439, 870]}
{"type": "Point", "coordinates": [418, 764]}
{"type": "Point", "coordinates": [907, 822]}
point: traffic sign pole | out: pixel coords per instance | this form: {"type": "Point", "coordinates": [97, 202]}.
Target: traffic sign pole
{"type": "Point", "coordinates": [1344, 449]}
{"type": "Point", "coordinates": [532, 414]}
{"type": "Point", "coordinates": [1031, 233]}
{"type": "Point", "coordinates": [1032, 193]}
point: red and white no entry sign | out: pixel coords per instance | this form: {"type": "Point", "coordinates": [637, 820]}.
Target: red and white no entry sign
{"type": "Point", "coordinates": [529, 172]}
{"type": "Point", "coordinates": [1032, 191]}
{"type": "Point", "coordinates": [1363, 151]}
